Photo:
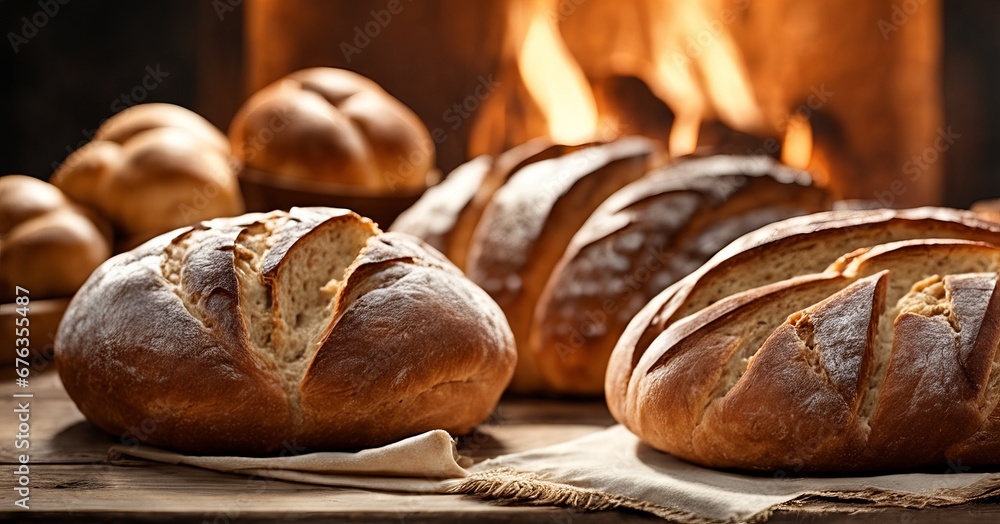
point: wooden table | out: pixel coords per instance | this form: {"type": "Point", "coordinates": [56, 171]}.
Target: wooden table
{"type": "Point", "coordinates": [71, 480]}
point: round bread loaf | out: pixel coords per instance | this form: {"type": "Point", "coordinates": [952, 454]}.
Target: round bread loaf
{"type": "Point", "coordinates": [987, 209]}
{"type": "Point", "coordinates": [332, 125]}
{"type": "Point", "coordinates": [841, 341]}
{"type": "Point", "coordinates": [310, 327]}
{"type": "Point", "coordinates": [153, 168]}
{"type": "Point", "coordinates": [48, 245]}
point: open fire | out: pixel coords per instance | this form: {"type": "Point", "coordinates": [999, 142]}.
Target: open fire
{"type": "Point", "coordinates": [819, 84]}
{"type": "Point", "coordinates": [728, 81]}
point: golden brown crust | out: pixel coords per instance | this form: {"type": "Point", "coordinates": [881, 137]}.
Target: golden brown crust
{"type": "Point", "coordinates": [144, 117]}
{"type": "Point", "coordinates": [796, 246]}
{"type": "Point", "coordinates": [530, 221]}
{"type": "Point", "coordinates": [644, 238]}
{"type": "Point", "coordinates": [48, 245]}
{"type": "Point", "coordinates": [886, 358]}
{"type": "Point", "coordinates": [446, 215]}
{"type": "Point", "coordinates": [153, 168]}
{"type": "Point", "coordinates": [173, 332]}
{"type": "Point", "coordinates": [662, 226]}
{"type": "Point", "coordinates": [437, 218]}
{"type": "Point", "coordinates": [333, 125]}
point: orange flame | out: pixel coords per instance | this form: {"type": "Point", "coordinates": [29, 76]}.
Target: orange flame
{"type": "Point", "coordinates": [684, 50]}
{"type": "Point", "coordinates": [699, 72]}
{"type": "Point", "coordinates": [797, 148]}
{"type": "Point", "coordinates": [554, 80]}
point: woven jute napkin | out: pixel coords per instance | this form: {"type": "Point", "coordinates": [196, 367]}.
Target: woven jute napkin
{"type": "Point", "coordinates": [607, 469]}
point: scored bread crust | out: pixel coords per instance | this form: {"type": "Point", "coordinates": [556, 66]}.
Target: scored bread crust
{"type": "Point", "coordinates": [447, 214]}
{"type": "Point", "coordinates": [530, 221]}
{"type": "Point", "coordinates": [644, 238]}
{"type": "Point", "coordinates": [884, 358]}
{"type": "Point", "coordinates": [797, 246]}
{"type": "Point", "coordinates": [438, 216]}
{"type": "Point", "coordinates": [309, 328]}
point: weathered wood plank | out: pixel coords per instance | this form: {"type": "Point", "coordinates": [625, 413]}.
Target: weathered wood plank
{"type": "Point", "coordinates": [158, 493]}
{"type": "Point", "coordinates": [150, 492]}
{"type": "Point", "coordinates": [73, 482]}
{"type": "Point", "coordinates": [61, 435]}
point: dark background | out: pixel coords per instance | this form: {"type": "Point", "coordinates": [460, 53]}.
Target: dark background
{"type": "Point", "coordinates": [64, 81]}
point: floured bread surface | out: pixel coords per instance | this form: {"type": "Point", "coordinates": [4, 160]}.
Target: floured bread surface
{"type": "Point", "coordinates": [887, 358]}
{"type": "Point", "coordinates": [215, 329]}
{"type": "Point", "coordinates": [644, 238]}
{"type": "Point", "coordinates": [530, 222]}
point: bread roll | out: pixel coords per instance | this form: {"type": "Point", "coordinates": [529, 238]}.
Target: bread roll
{"type": "Point", "coordinates": [332, 125]}
{"type": "Point", "coordinates": [47, 245]}
{"type": "Point", "coordinates": [987, 209]}
{"type": "Point", "coordinates": [153, 168]}
{"type": "Point", "coordinates": [240, 335]}
{"type": "Point", "coordinates": [841, 341]}
{"type": "Point", "coordinates": [641, 240]}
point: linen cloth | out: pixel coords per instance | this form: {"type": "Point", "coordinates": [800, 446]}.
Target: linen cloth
{"type": "Point", "coordinates": [607, 469]}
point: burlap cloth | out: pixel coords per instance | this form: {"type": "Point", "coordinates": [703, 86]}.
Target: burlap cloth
{"type": "Point", "coordinates": [608, 469]}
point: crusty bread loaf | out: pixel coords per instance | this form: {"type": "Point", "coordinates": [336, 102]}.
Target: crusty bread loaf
{"type": "Point", "coordinates": [332, 125]}
{"type": "Point", "coordinates": [48, 245]}
{"type": "Point", "coordinates": [310, 327]}
{"type": "Point", "coordinates": [644, 238]}
{"type": "Point", "coordinates": [153, 168]}
{"type": "Point", "coordinates": [569, 284]}
{"type": "Point", "coordinates": [530, 221]}
{"type": "Point", "coordinates": [446, 215]}
{"type": "Point", "coordinates": [849, 340]}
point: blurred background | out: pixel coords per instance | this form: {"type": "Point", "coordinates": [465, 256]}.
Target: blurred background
{"type": "Point", "coordinates": [890, 100]}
